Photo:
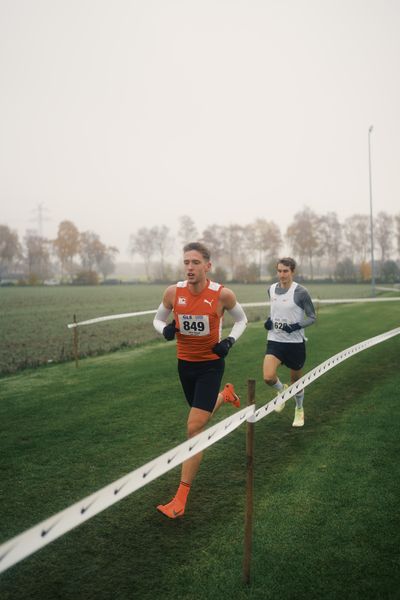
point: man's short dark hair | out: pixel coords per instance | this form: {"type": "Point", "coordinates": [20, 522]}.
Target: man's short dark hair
{"type": "Point", "coordinates": [199, 247]}
{"type": "Point", "coordinates": [288, 262]}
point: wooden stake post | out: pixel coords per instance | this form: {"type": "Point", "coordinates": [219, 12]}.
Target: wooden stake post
{"type": "Point", "coordinates": [248, 528]}
{"type": "Point", "coordinates": [76, 343]}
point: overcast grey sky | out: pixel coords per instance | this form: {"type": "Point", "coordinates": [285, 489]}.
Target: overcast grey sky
{"type": "Point", "coordinates": [129, 113]}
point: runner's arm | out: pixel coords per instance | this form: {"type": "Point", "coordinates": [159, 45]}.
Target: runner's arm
{"type": "Point", "coordinates": [164, 310]}
{"type": "Point", "coordinates": [232, 306]}
{"type": "Point", "coordinates": [303, 299]}
{"type": "Point", "coordinates": [240, 321]}
{"type": "Point", "coordinates": [160, 319]}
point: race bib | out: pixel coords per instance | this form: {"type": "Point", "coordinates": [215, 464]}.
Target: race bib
{"type": "Point", "coordinates": [194, 325]}
{"type": "Point", "coordinates": [278, 324]}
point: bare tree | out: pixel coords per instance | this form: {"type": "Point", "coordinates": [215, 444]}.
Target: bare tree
{"type": "Point", "coordinates": [357, 235]}
{"type": "Point", "coordinates": [162, 245]}
{"type": "Point", "coordinates": [142, 244]}
{"type": "Point", "coordinates": [10, 249]}
{"type": "Point", "coordinates": [233, 245]}
{"type": "Point", "coordinates": [250, 247]}
{"type": "Point", "coordinates": [106, 264]}
{"type": "Point", "coordinates": [383, 234]}
{"type": "Point", "coordinates": [213, 238]}
{"type": "Point", "coordinates": [187, 230]}
{"type": "Point", "coordinates": [330, 238]}
{"type": "Point", "coordinates": [37, 256]}
{"type": "Point", "coordinates": [91, 250]}
{"type": "Point", "coordinates": [264, 237]}
{"type": "Point", "coordinates": [303, 238]}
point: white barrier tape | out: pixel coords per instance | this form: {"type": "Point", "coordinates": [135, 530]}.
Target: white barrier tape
{"type": "Point", "coordinates": [355, 300]}
{"type": "Point", "coordinates": [47, 531]}
{"type": "Point", "coordinates": [245, 305]}
{"type": "Point", "coordinates": [262, 412]}
{"type": "Point", "coordinates": [112, 317]}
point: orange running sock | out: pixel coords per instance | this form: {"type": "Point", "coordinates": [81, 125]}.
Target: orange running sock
{"type": "Point", "coordinates": [182, 493]}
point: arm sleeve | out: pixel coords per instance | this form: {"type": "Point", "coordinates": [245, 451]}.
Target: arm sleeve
{"type": "Point", "coordinates": [302, 298]}
{"type": "Point", "coordinates": [160, 320]}
{"type": "Point", "coordinates": [238, 315]}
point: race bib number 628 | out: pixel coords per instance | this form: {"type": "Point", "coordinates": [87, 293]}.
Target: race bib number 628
{"type": "Point", "coordinates": [278, 325]}
{"type": "Point", "coordinates": [194, 325]}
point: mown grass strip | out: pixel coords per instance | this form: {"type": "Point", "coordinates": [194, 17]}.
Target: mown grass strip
{"type": "Point", "coordinates": [325, 508]}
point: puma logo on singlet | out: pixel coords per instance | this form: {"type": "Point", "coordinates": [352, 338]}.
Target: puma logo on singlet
{"type": "Point", "coordinates": [208, 301]}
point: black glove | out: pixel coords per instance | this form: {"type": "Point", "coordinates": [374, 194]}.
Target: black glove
{"type": "Point", "coordinates": [169, 331]}
{"type": "Point", "coordinates": [268, 324]}
{"type": "Point", "coordinates": [290, 328]}
{"type": "Point", "coordinates": [223, 347]}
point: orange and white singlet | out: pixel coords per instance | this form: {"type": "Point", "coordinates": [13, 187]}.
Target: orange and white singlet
{"type": "Point", "coordinates": [198, 322]}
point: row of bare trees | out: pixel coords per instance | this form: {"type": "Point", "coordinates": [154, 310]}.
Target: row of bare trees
{"type": "Point", "coordinates": [38, 259]}
{"type": "Point", "coordinates": [249, 251]}
{"type": "Point", "coordinates": [232, 247]}
{"type": "Point", "coordinates": [322, 245]}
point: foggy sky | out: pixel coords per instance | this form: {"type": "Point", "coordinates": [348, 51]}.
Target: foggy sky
{"type": "Point", "coordinates": [118, 115]}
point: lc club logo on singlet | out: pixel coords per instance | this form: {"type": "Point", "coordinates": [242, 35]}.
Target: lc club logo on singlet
{"type": "Point", "coordinates": [182, 301]}
{"type": "Point", "coordinates": [195, 325]}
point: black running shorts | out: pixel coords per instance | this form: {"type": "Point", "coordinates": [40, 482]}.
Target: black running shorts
{"type": "Point", "coordinates": [201, 382]}
{"type": "Point", "coordinates": [291, 355]}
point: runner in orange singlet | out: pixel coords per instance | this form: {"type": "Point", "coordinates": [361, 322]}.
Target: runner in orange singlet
{"type": "Point", "coordinates": [198, 305]}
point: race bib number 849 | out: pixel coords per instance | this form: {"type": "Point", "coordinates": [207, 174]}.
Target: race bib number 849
{"type": "Point", "coordinates": [194, 325]}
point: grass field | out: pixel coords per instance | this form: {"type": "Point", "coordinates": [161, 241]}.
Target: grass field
{"type": "Point", "coordinates": [33, 321]}
{"type": "Point", "coordinates": [326, 496]}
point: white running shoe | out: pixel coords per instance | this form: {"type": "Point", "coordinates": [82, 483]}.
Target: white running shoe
{"type": "Point", "coordinates": [279, 407]}
{"type": "Point", "coordinates": [298, 417]}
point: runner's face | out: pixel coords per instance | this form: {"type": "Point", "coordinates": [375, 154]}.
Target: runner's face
{"type": "Point", "coordinates": [285, 275]}
{"type": "Point", "coordinates": [196, 267]}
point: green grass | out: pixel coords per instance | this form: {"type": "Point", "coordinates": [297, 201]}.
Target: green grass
{"type": "Point", "coordinates": [33, 321]}
{"type": "Point", "coordinates": [326, 496]}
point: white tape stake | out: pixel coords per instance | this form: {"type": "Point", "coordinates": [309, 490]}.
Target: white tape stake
{"type": "Point", "coordinates": [47, 531]}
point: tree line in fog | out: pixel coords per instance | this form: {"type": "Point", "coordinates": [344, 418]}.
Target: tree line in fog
{"type": "Point", "coordinates": [323, 246]}
{"type": "Point", "coordinates": [73, 256]}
